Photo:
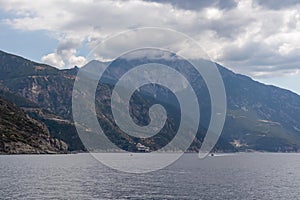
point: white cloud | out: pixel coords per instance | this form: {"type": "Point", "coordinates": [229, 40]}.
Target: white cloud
{"type": "Point", "coordinates": [66, 54]}
{"type": "Point", "coordinates": [77, 60]}
{"type": "Point", "coordinates": [253, 37]}
{"type": "Point", "coordinates": [213, 13]}
{"type": "Point", "coordinates": [53, 59]}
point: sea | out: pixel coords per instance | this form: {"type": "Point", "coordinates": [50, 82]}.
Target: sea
{"type": "Point", "coordinates": [223, 176]}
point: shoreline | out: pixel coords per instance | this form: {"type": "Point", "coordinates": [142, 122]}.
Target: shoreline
{"type": "Point", "coordinates": [86, 152]}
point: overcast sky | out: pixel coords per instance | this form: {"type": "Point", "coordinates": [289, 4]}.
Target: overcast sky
{"type": "Point", "coordinates": [259, 38]}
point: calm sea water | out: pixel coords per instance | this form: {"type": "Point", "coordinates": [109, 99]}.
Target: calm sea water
{"type": "Point", "coordinates": [238, 176]}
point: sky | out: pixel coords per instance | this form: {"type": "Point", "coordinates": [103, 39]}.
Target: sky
{"type": "Point", "coordinates": [258, 38]}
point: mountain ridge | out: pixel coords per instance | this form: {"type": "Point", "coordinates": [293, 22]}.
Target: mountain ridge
{"type": "Point", "coordinates": [260, 117]}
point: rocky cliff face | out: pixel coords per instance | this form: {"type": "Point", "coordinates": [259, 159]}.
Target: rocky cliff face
{"type": "Point", "coordinates": [20, 134]}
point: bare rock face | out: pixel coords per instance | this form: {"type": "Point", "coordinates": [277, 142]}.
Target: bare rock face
{"type": "Point", "coordinates": [20, 134]}
{"type": "Point", "coordinates": [62, 146]}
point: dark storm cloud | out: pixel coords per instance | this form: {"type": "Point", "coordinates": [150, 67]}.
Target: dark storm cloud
{"type": "Point", "coordinates": [278, 4]}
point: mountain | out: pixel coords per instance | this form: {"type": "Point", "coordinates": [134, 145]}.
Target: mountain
{"type": "Point", "coordinates": [22, 134]}
{"type": "Point", "coordinates": [259, 117]}
{"type": "Point", "coordinates": [264, 117]}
